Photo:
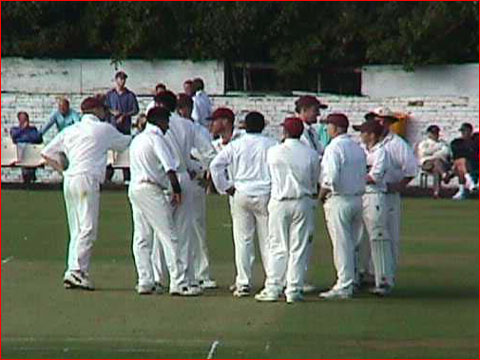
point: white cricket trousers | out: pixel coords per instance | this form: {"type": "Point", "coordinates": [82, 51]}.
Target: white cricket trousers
{"type": "Point", "coordinates": [199, 248]}
{"type": "Point", "coordinates": [394, 211]}
{"type": "Point", "coordinates": [375, 225]}
{"type": "Point", "coordinates": [183, 215]}
{"type": "Point", "coordinates": [343, 215]}
{"type": "Point", "coordinates": [152, 221]}
{"type": "Point", "coordinates": [249, 214]}
{"type": "Point", "coordinates": [290, 232]}
{"type": "Point", "coordinates": [82, 202]}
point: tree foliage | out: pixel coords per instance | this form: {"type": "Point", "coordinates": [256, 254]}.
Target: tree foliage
{"type": "Point", "coordinates": [294, 35]}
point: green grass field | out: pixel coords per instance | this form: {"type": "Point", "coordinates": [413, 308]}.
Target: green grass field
{"type": "Point", "coordinates": [432, 314]}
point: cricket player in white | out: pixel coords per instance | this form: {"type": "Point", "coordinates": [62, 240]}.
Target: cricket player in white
{"type": "Point", "coordinates": [375, 207]}
{"type": "Point", "coordinates": [403, 169]}
{"type": "Point", "coordinates": [294, 170]}
{"type": "Point", "coordinates": [343, 174]}
{"type": "Point", "coordinates": [153, 170]}
{"type": "Point", "coordinates": [85, 145]}
{"type": "Point", "coordinates": [249, 185]}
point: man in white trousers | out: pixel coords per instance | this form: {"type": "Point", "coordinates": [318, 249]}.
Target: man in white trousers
{"type": "Point", "coordinates": [154, 188]}
{"type": "Point", "coordinates": [181, 139]}
{"type": "Point", "coordinates": [294, 170]}
{"type": "Point", "coordinates": [403, 169]}
{"type": "Point", "coordinates": [308, 109]}
{"type": "Point", "coordinates": [375, 207]}
{"type": "Point", "coordinates": [343, 173]}
{"type": "Point", "coordinates": [249, 185]}
{"type": "Point", "coordinates": [84, 145]}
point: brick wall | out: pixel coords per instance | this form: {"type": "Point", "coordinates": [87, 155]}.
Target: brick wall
{"type": "Point", "coordinates": [447, 112]}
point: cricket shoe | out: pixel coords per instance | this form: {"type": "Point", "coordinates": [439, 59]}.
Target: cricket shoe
{"type": "Point", "coordinates": [294, 297]}
{"type": "Point", "coordinates": [160, 289]}
{"type": "Point", "coordinates": [187, 291]}
{"type": "Point", "coordinates": [145, 289]}
{"type": "Point", "coordinates": [382, 290]}
{"type": "Point", "coordinates": [242, 291]}
{"type": "Point", "coordinates": [232, 288]}
{"type": "Point", "coordinates": [460, 195]}
{"type": "Point", "coordinates": [341, 294]}
{"type": "Point", "coordinates": [77, 280]}
{"type": "Point", "coordinates": [208, 284]}
{"type": "Point", "coordinates": [267, 296]}
{"type": "Point", "coordinates": [309, 288]}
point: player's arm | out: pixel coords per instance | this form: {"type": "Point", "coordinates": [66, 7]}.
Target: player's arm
{"type": "Point", "coordinates": [118, 141]}
{"type": "Point", "coordinates": [53, 152]}
{"type": "Point", "coordinates": [168, 162]}
{"type": "Point", "coordinates": [409, 168]}
{"type": "Point", "coordinates": [218, 171]}
{"type": "Point", "coordinates": [377, 171]}
{"type": "Point", "coordinates": [330, 172]}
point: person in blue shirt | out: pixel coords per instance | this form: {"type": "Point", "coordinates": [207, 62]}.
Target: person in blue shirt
{"type": "Point", "coordinates": [26, 134]}
{"type": "Point", "coordinates": [62, 117]}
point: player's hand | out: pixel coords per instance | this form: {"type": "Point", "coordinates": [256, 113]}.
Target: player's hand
{"type": "Point", "coordinates": [176, 199]}
{"type": "Point", "coordinates": [230, 191]}
{"type": "Point", "coordinates": [120, 119]}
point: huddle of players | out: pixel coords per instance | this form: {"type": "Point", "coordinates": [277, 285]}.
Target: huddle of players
{"type": "Point", "coordinates": [273, 189]}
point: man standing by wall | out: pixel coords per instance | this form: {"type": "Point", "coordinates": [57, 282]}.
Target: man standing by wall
{"type": "Point", "coordinates": [202, 106]}
{"type": "Point", "coordinates": [62, 117]}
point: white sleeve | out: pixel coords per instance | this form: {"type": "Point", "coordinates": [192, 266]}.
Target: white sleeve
{"type": "Point", "coordinates": [118, 141]}
{"type": "Point", "coordinates": [195, 111]}
{"type": "Point", "coordinates": [218, 169]}
{"type": "Point", "coordinates": [330, 168]}
{"type": "Point", "coordinates": [409, 161]}
{"type": "Point", "coordinates": [377, 171]}
{"type": "Point", "coordinates": [54, 147]}
{"type": "Point", "coordinates": [203, 145]}
{"type": "Point", "coordinates": [162, 152]}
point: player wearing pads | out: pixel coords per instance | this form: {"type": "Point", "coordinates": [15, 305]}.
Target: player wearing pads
{"type": "Point", "coordinates": [343, 184]}
{"type": "Point", "coordinates": [85, 145]}
{"type": "Point", "coordinates": [248, 183]}
{"type": "Point", "coordinates": [294, 170]}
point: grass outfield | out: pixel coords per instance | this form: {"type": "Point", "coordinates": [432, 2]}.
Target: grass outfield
{"type": "Point", "coordinates": [432, 314]}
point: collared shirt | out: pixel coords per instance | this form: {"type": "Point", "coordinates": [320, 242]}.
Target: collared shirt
{"type": "Point", "coordinates": [430, 149]}
{"type": "Point", "coordinates": [294, 170]}
{"type": "Point", "coordinates": [60, 120]}
{"type": "Point", "coordinates": [310, 138]}
{"type": "Point", "coordinates": [182, 137]}
{"type": "Point", "coordinates": [150, 158]}
{"type": "Point", "coordinates": [86, 144]}
{"type": "Point", "coordinates": [28, 135]}
{"type": "Point", "coordinates": [377, 164]}
{"type": "Point", "coordinates": [402, 159]}
{"type": "Point", "coordinates": [202, 107]}
{"type": "Point", "coordinates": [126, 102]}
{"type": "Point", "coordinates": [218, 144]}
{"type": "Point", "coordinates": [344, 167]}
{"type": "Point", "coordinates": [246, 158]}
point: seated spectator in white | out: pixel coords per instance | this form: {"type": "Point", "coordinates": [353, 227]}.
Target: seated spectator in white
{"type": "Point", "coordinates": [188, 88]}
{"type": "Point", "coordinates": [159, 88]}
{"type": "Point", "coordinates": [465, 161]}
{"type": "Point", "coordinates": [434, 156]}
{"type": "Point", "coordinates": [62, 117]}
{"type": "Point", "coordinates": [202, 106]}
{"type": "Point", "coordinates": [26, 134]}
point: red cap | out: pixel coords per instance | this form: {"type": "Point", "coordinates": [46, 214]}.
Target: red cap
{"type": "Point", "coordinates": [309, 100]}
{"type": "Point", "coordinates": [91, 103]}
{"type": "Point", "coordinates": [223, 113]}
{"type": "Point", "coordinates": [294, 126]}
{"type": "Point", "coordinates": [338, 119]}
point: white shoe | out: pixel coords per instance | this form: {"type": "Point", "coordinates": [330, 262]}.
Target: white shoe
{"type": "Point", "coordinates": [382, 290]}
{"type": "Point", "coordinates": [242, 291]}
{"type": "Point", "coordinates": [460, 195]}
{"type": "Point", "coordinates": [208, 284]}
{"type": "Point", "coordinates": [309, 288]}
{"type": "Point", "coordinates": [187, 291]}
{"type": "Point", "coordinates": [145, 289]}
{"type": "Point", "coordinates": [77, 280]}
{"type": "Point", "coordinates": [294, 297]}
{"type": "Point", "coordinates": [337, 294]}
{"type": "Point", "coordinates": [267, 296]}
{"type": "Point", "coordinates": [232, 288]}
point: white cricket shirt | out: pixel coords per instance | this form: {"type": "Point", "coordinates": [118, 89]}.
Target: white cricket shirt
{"type": "Point", "coordinates": [377, 164]}
{"type": "Point", "coordinates": [202, 107]}
{"type": "Point", "coordinates": [402, 159]}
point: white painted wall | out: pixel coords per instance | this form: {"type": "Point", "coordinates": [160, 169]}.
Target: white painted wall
{"type": "Point", "coordinates": [438, 80]}
{"type": "Point", "coordinates": [84, 76]}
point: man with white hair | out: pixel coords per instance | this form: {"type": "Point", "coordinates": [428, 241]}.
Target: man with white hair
{"type": "Point", "coordinates": [84, 145]}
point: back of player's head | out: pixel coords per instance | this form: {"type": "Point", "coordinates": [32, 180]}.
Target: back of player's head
{"type": "Point", "coordinates": [166, 99]}
{"type": "Point", "coordinates": [254, 122]}
{"type": "Point", "coordinates": [197, 84]}
{"type": "Point", "coordinates": [184, 101]}
{"type": "Point", "coordinates": [157, 114]}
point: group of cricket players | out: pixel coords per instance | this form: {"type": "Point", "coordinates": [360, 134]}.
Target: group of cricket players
{"type": "Point", "coordinates": [274, 187]}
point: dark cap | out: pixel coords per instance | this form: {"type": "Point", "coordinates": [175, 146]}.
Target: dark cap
{"type": "Point", "coordinates": [223, 113]}
{"type": "Point", "coordinates": [433, 129]}
{"type": "Point", "coordinates": [466, 126]}
{"type": "Point", "coordinates": [158, 113]}
{"type": "Point", "coordinates": [293, 126]}
{"type": "Point", "coordinates": [121, 74]}
{"type": "Point", "coordinates": [338, 119]}
{"type": "Point", "coordinates": [369, 127]}
{"type": "Point", "coordinates": [306, 101]}
{"type": "Point", "coordinates": [166, 99]}
{"type": "Point", "coordinates": [90, 103]}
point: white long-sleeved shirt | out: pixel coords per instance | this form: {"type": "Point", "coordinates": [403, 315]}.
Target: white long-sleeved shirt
{"type": "Point", "coordinates": [182, 137]}
{"type": "Point", "coordinates": [310, 138]}
{"type": "Point", "coordinates": [344, 167]}
{"type": "Point", "coordinates": [246, 160]}
{"type": "Point", "coordinates": [150, 158]}
{"type": "Point", "coordinates": [402, 159]}
{"type": "Point", "coordinates": [430, 149]}
{"type": "Point", "coordinates": [377, 164]}
{"type": "Point", "coordinates": [85, 145]}
{"type": "Point", "coordinates": [294, 170]}
{"type": "Point", "coordinates": [218, 144]}
{"type": "Point", "coordinates": [202, 107]}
